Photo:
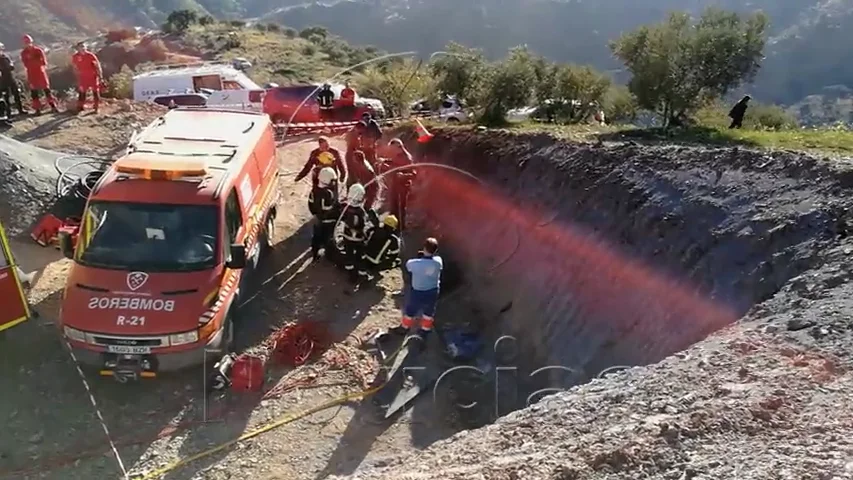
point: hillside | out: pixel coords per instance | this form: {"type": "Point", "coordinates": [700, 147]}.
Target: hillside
{"type": "Point", "coordinates": [811, 35]}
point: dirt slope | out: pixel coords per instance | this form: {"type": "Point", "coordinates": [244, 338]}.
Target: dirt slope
{"type": "Point", "coordinates": [749, 402]}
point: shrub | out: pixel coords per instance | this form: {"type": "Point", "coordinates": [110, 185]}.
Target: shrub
{"type": "Point", "coordinates": [120, 85]}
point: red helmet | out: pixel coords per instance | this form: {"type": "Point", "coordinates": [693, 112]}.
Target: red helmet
{"type": "Point", "coordinates": [27, 40]}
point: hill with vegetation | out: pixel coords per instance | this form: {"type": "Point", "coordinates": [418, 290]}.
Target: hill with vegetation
{"type": "Point", "coordinates": [806, 54]}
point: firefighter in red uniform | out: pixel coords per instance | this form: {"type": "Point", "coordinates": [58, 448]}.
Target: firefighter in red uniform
{"type": "Point", "coordinates": [89, 76]}
{"type": "Point", "coordinates": [362, 172]}
{"type": "Point", "coordinates": [347, 96]}
{"type": "Point", "coordinates": [35, 63]}
{"type": "Point", "coordinates": [353, 139]}
{"type": "Point", "coordinates": [399, 182]}
{"type": "Point", "coordinates": [323, 156]}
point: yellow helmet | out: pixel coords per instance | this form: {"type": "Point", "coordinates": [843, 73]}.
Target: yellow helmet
{"type": "Point", "coordinates": [326, 158]}
{"type": "Point", "coordinates": [391, 221]}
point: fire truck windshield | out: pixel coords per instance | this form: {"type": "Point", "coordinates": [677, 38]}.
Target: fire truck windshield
{"type": "Point", "coordinates": [148, 237]}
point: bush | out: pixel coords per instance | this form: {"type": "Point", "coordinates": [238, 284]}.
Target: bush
{"type": "Point", "coordinates": [619, 104]}
{"type": "Point", "coordinates": [682, 62]}
{"type": "Point", "coordinates": [179, 21]}
{"type": "Point", "coordinates": [114, 36]}
{"type": "Point", "coordinates": [120, 85]}
{"type": "Point", "coordinates": [758, 117]}
{"type": "Point", "coordinates": [769, 117]}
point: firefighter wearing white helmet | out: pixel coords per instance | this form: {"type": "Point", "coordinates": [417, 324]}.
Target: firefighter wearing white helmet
{"type": "Point", "coordinates": [382, 249]}
{"type": "Point", "coordinates": [354, 220]}
{"type": "Point", "coordinates": [324, 205]}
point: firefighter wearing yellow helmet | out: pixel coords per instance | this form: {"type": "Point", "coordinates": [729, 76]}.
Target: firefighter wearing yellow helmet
{"type": "Point", "coordinates": [323, 156]}
{"type": "Point", "coordinates": [382, 249]}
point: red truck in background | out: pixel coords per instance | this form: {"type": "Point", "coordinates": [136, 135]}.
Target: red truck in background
{"type": "Point", "coordinates": [280, 103]}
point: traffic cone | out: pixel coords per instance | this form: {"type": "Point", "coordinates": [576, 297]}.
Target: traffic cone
{"type": "Point", "coordinates": [423, 134]}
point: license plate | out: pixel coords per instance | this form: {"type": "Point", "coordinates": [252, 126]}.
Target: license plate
{"type": "Point", "coordinates": [128, 349]}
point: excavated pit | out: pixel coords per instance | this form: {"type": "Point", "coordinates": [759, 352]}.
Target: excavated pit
{"type": "Point", "coordinates": [594, 257]}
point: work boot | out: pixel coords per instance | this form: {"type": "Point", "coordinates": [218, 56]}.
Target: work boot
{"type": "Point", "coordinates": [424, 334]}
{"type": "Point", "coordinates": [398, 330]}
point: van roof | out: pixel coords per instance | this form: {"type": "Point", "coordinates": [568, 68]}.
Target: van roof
{"type": "Point", "coordinates": [220, 139]}
{"type": "Point", "coordinates": [192, 69]}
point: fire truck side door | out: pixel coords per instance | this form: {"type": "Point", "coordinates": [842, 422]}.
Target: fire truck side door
{"type": "Point", "coordinates": [13, 302]}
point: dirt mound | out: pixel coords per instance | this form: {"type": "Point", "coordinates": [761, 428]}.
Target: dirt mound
{"type": "Point", "coordinates": [597, 257]}
{"type": "Point", "coordinates": [136, 51]}
{"type": "Point", "coordinates": [28, 152]}
{"type": "Point", "coordinates": [101, 135]}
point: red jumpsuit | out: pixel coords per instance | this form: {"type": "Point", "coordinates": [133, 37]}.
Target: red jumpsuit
{"type": "Point", "coordinates": [35, 62]}
{"type": "Point", "coordinates": [88, 77]}
{"type": "Point", "coordinates": [362, 172]}
{"type": "Point", "coordinates": [399, 184]}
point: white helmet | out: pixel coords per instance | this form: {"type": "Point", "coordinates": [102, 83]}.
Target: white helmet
{"type": "Point", "coordinates": [355, 195]}
{"type": "Point", "coordinates": [326, 176]}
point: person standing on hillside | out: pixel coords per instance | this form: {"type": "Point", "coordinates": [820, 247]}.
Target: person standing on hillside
{"type": "Point", "coordinates": [35, 62]}
{"type": "Point", "coordinates": [738, 111]}
{"type": "Point", "coordinates": [8, 84]}
{"type": "Point", "coordinates": [90, 76]}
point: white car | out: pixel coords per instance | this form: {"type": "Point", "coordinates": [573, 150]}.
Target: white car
{"type": "Point", "coordinates": [451, 109]}
{"type": "Point", "coordinates": [226, 84]}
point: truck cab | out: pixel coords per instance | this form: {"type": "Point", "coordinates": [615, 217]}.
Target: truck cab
{"type": "Point", "coordinates": [222, 83]}
{"type": "Point", "coordinates": [169, 236]}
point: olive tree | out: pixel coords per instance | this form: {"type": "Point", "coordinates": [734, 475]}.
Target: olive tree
{"type": "Point", "coordinates": [680, 64]}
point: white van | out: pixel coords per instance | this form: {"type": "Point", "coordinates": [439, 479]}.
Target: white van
{"type": "Point", "coordinates": [223, 84]}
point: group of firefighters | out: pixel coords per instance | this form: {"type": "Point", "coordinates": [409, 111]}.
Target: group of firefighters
{"type": "Point", "coordinates": [85, 64]}
{"type": "Point", "coordinates": [370, 242]}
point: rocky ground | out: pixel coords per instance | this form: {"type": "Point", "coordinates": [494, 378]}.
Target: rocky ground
{"type": "Point", "coordinates": [157, 423]}
{"type": "Point", "coordinates": [30, 148]}
{"type": "Point", "coordinates": [762, 399]}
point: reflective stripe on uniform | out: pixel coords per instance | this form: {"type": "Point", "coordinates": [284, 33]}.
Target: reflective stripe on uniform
{"type": "Point", "coordinates": [379, 255]}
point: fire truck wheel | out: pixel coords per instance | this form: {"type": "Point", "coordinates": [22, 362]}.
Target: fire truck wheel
{"type": "Point", "coordinates": [228, 340]}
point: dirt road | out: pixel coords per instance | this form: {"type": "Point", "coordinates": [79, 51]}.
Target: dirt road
{"type": "Point", "coordinates": [53, 431]}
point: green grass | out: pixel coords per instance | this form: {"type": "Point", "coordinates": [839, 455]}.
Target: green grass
{"type": "Point", "coordinates": [277, 55]}
{"type": "Point", "coordinates": [829, 142]}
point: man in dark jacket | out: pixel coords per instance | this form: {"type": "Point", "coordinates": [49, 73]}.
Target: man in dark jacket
{"type": "Point", "coordinates": [738, 111]}
{"type": "Point", "coordinates": [354, 218]}
{"type": "Point", "coordinates": [369, 138]}
{"type": "Point", "coordinates": [382, 249]}
{"type": "Point", "coordinates": [326, 101]}
{"type": "Point", "coordinates": [324, 205]}
{"type": "Point", "coordinates": [322, 156]}
{"type": "Point", "coordinates": [8, 84]}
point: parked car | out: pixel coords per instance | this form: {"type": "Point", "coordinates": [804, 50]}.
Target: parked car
{"type": "Point", "coordinates": [280, 103]}
{"type": "Point", "coordinates": [450, 110]}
